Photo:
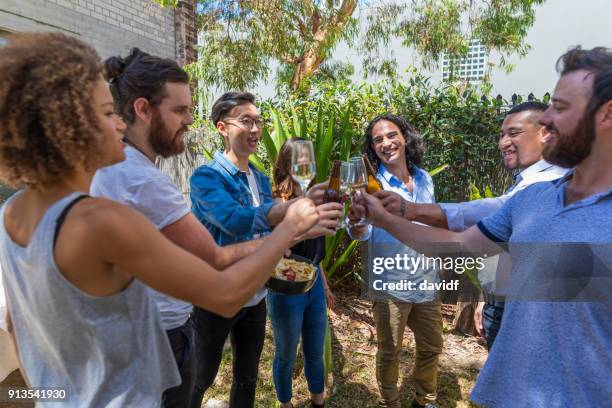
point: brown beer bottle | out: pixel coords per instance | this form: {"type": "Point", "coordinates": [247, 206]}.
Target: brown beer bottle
{"type": "Point", "coordinates": [374, 185]}
{"type": "Point", "coordinates": [332, 194]}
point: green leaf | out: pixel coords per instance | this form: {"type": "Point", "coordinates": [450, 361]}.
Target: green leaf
{"type": "Point", "coordinates": [279, 136]}
{"type": "Point", "coordinates": [343, 258]}
{"type": "Point", "coordinates": [296, 123]}
{"type": "Point", "coordinates": [328, 363]}
{"type": "Point", "coordinates": [258, 164]}
{"type": "Point", "coordinates": [472, 275]}
{"type": "Point", "coordinates": [437, 170]}
{"type": "Point", "coordinates": [346, 134]}
{"type": "Point", "coordinates": [324, 151]}
{"type": "Point", "coordinates": [331, 246]}
{"type": "Point", "coordinates": [269, 145]}
{"type": "Point", "coordinates": [474, 192]}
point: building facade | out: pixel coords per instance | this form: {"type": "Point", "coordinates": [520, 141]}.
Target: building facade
{"type": "Point", "coordinates": [112, 27]}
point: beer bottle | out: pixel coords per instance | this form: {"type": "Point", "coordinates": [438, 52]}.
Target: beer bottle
{"type": "Point", "coordinates": [373, 184]}
{"type": "Point", "coordinates": [332, 194]}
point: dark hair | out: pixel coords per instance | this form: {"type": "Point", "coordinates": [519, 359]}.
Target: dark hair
{"type": "Point", "coordinates": [284, 185]}
{"type": "Point", "coordinates": [528, 106]}
{"type": "Point", "coordinates": [140, 75]}
{"type": "Point", "coordinates": [597, 61]}
{"type": "Point", "coordinates": [415, 147]}
{"type": "Point", "coordinates": [536, 109]}
{"type": "Point", "coordinates": [47, 119]}
{"type": "Point", "coordinates": [227, 102]}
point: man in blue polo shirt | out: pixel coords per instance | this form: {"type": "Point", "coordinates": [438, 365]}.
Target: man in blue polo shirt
{"type": "Point", "coordinates": [553, 347]}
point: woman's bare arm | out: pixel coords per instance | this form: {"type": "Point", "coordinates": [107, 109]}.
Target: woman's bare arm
{"type": "Point", "coordinates": [122, 237]}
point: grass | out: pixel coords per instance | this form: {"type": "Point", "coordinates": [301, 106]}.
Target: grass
{"type": "Point", "coordinates": [354, 378]}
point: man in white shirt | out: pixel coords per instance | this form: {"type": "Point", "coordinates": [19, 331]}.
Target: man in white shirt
{"type": "Point", "coordinates": [152, 95]}
{"type": "Point", "coordinates": [521, 144]}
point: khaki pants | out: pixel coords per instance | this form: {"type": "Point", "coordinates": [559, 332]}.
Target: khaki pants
{"type": "Point", "coordinates": [425, 321]}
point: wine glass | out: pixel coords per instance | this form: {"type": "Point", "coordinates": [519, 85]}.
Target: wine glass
{"type": "Point", "coordinates": [345, 180]}
{"type": "Point", "coordinates": [358, 179]}
{"type": "Point", "coordinates": [303, 165]}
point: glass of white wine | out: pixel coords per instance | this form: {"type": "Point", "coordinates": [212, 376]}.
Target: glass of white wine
{"type": "Point", "coordinates": [345, 181]}
{"type": "Point", "coordinates": [303, 164]}
{"type": "Point", "coordinates": [358, 179]}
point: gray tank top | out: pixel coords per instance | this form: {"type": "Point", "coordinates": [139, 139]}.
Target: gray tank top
{"type": "Point", "coordinates": [105, 351]}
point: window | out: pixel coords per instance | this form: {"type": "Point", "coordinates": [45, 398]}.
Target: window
{"type": "Point", "coordinates": [469, 67]}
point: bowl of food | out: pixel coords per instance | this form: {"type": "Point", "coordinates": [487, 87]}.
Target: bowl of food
{"type": "Point", "coordinates": [293, 275]}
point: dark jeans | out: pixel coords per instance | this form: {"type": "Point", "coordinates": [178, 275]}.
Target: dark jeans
{"type": "Point", "coordinates": [182, 341]}
{"type": "Point", "coordinates": [492, 313]}
{"type": "Point", "coordinates": [247, 332]}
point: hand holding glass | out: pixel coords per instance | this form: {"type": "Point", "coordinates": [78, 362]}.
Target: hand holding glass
{"type": "Point", "coordinates": [358, 180]}
{"type": "Point", "coordinates": [303, 165]}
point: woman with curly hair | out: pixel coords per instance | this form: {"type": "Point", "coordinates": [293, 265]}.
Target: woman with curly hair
{"type": "Point", "coordinates": [304, 315]}
{"type": "Point", "coordinates": [75, 267]}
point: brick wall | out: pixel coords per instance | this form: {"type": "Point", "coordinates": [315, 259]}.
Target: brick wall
{"type": "Point", "coordinates": [186, 32]}
{"type": "Point", "coordinates": [111, 26]}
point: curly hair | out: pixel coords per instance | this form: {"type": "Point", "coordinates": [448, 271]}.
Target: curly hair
{"type": "Point", "coordinates": [415, 147]}
{"type": "Point", "coordinates": [47, 120]}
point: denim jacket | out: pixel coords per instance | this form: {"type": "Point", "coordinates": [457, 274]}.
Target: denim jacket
{"type": "Point", "coordinates": [222, 201]}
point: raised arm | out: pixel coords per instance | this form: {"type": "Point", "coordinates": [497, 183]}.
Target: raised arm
{"type": "Point", "coordinates": [425, 239]}
{"type": "Point", "coordinates": [129, 242]}
{"type": "Point", "coordinates": [430, 214]}
{"type": "Point", "coordinates": [277, 212]}
{"type": "Point", "coordinates": [212, 203]}
{"type": "Point", "coordinates": [191, 235]}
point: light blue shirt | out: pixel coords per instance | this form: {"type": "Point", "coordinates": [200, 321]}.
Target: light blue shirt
{"type": "Point", "coordinates": [382, 245]}
{"type": "Point", "coordinates": [553, 347]}
{"type": "Point", "coordinates": [460, 216]}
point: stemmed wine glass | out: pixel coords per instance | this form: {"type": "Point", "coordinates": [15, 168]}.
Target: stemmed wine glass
{"type": "Point", "coordinates": [345, 181]}
{"type": "Point", "coordinates": [357, 180]}
{"type": "Point", "coordinates": [303, 164]}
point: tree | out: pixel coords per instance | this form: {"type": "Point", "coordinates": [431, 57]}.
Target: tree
{"type": "Point", "coordinates": [240, 38]}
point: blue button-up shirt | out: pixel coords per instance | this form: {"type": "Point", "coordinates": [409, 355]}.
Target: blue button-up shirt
{"type": "Point", "coordinates": [382, 245]}
{"type": "Point", "coordinates": [222, 201]}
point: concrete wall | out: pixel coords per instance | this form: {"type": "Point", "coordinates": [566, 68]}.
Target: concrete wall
{"type": "Point", "coordinates": [112, 26]}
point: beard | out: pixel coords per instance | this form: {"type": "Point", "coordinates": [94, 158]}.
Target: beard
{"type": "Point", "coordinates": [163, 141]}
{"type": "Point", "coordinates": [571, 148]}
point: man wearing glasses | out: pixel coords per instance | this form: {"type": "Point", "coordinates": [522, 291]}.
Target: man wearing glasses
{"type": "Point", "coordinates": [521, 145]}
{"type": "Point", "coordinates": [234, 202]}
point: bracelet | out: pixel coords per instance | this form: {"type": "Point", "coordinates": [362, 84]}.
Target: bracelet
{"type": "Point", "coordinates": [403, 208]}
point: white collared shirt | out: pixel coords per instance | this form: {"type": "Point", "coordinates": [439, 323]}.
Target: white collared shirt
{"type": "Point", "coordinates": [461, 216]}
